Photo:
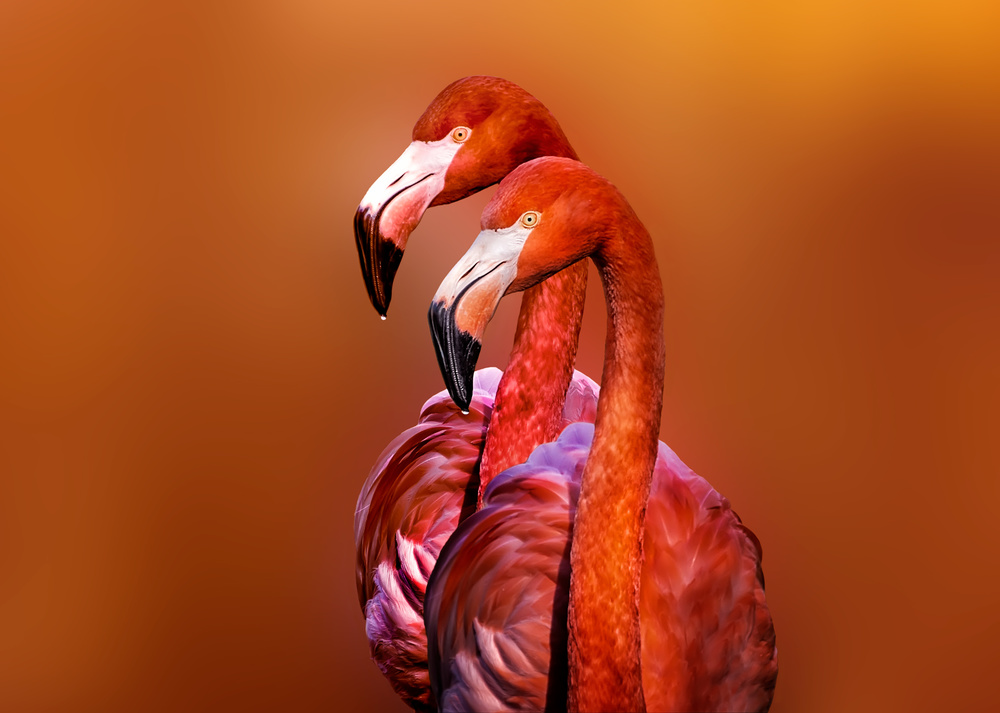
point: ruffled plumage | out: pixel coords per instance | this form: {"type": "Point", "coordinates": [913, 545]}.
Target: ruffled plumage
{"type": "Point", "coordinates": [497, 599]}
{"type": "Point", "coordinates": [422, 485]}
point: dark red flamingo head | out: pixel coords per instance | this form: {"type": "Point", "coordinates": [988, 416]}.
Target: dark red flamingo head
{"type": "Point", "coordinates": [545, 216]}
{"type": "Point", "coordinates": [475, 132]}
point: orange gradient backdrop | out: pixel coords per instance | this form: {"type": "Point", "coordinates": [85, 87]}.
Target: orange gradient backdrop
{"type": "Point", "coordinates": [193, 384]}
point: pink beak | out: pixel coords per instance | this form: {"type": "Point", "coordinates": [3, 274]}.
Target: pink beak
{"type": "Point", "coordinates": [393, 207]}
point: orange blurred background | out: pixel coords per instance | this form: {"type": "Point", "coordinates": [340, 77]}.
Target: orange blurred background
{"type": "Point", "coordinates": [193, 384]}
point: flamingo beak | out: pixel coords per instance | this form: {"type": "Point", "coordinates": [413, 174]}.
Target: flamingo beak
{"type": "Point", "coordinates": [393, 207]}
{"type": "Point", "coordinates": [380, 256]}
{"type": "Point", "coordinates": [457, 353]}
{"type": "Point", "coordinates": [465, 303]}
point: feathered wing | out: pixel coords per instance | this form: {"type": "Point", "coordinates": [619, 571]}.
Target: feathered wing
{"type": "Point", "coordinates": [496, 603]}
{"type": "Point", "coordinates": [502, 584]}
{"type": "Point", "coordinates": [409, 506]}
{"type": "Point", "coordinates": [422, 485]}
{"type": "Point", "coordinates": [707, 636]}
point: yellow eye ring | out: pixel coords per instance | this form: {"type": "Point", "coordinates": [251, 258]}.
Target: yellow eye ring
{"type": "Point", "coordinates": [460, 133]}
{"type": "Point", "coordinates": [530, 219]}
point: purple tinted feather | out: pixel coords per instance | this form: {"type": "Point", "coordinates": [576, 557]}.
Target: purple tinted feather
{"type": "Point", "coordinates": [409, 506]}
{"type": "Point", "coordinates": [707, 637]}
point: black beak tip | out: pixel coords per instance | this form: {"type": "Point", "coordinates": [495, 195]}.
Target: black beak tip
{"type": "Point", "coordinates": [463, 401]}
{"type": "Point", "coordinates": [380, 258]}
{"type": "Point", "coordinates": [379, 301]}
{"type": "Point", "coordinates": [457, 353]}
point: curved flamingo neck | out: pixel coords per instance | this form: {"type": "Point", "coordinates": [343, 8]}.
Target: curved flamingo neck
{"type": "Point", "coordinates": [529, 401]}
{"type": "Point", "coordinates": [606, 554]}
{"type": "Point", "coordinates": [527, 411]}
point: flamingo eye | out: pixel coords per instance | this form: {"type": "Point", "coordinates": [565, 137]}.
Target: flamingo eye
{"type": "Point", "coordinates": [530, 219]}
{"type": "Point", "coordinates": [460, 133]}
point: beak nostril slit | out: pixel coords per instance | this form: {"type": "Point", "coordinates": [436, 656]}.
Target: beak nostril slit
{"type": "Point", "coordinates": [466, 273]}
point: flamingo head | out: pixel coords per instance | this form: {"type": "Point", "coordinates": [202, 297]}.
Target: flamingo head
{"type": "Point", "coordinates": [545, 216]}
{"type": "Point", "coordinates": [475, 132]}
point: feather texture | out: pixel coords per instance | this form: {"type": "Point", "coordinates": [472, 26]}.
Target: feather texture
{"type": "Point", "coordinates": [497, 599]}
{"type": "Point", "coordinates": [422, 485]}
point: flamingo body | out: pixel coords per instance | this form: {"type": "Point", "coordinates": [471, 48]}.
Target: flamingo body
{"type": "Point", "coordinates": [603, 556]}
{"type": "Point", "coordinates": [507, 629]}
{"type": "Point", "coordinates": [497, 599]}
{"type": "Point", "coordinates": [471, 136]}
{"type": "Point", "coordinates": [422, 485]}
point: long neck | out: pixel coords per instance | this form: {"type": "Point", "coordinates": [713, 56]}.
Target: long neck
{"type": "Point", "coordinates": [527, 411]}
{"type": "Point", "coordinates": [529, 402]}
{"type": "Point", "coordinates": [606, 554]}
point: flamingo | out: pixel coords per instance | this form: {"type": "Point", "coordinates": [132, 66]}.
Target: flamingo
{"type": "Point", "coordinates": [603, 556]}
{"type": "Point", "coordinates": [433, 474]}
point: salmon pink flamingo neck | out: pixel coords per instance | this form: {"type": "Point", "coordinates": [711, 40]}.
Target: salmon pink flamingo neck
{"type": "Point", "coordinates": [548, 214]}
